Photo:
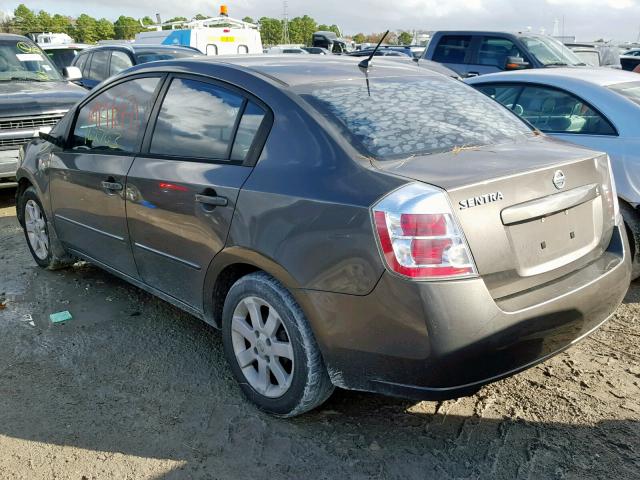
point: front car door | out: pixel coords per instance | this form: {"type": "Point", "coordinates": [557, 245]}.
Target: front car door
{"type": "Point", "coordinates": [182, 192]}
{"type": "Point", "coordinates": [87, 178]}
{"type": "Point", "coordinates": [492, 55]}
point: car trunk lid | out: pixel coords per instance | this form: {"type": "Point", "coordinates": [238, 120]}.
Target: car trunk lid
{"type": "Point", "coordinates": [531, 211]}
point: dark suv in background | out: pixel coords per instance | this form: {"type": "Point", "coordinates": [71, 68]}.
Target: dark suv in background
{"type": "Point", "coordinates": [33, 97]}
{"type": "Point", "coordinates": [472, 53]}
{"type": "Point", "coordinates": [104, 61]}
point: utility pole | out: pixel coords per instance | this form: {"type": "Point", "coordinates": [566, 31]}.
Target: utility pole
{"type": "Point", "coordinates": [285, 23]}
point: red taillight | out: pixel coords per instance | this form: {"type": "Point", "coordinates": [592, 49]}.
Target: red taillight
{"type": "Point", "coordinates": [421, 225]}
{"type": "Point", "coordinates": [421, 245]}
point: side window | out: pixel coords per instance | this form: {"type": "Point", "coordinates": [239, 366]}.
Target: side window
{"type": "Point", "coordinates": [115, 119]}
{"type": "Point", "coordinates": [504, 94]}
{"type": "Point", "coordinates": [98, 69]}
{"type": "Point", "coordinates": [556, 111]}
{"type": "Point", "coordinates": [247, 129]}
{"type": "Point", "coordinates": [494, 52]}
{"type": "Point", "coordinates": [452, 49]}
{"type": "Point", "coordinates": [197, 120]}
{"type": "Point", "coordinates": [81, 61]}
{"type": "Point", "coordinates": [119, 61]}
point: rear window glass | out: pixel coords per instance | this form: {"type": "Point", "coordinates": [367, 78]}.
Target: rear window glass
{"type": "Point", "coordinates": [413, 115]}
{"type": "Point", "coordinates": [630, 90]}
{"type": "Point", "coordinates": [452, 49]}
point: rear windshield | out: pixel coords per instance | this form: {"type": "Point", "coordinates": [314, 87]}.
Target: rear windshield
{"type": "Point", "coordinates": [406, 116]}
{"type": "Point", "coordinates": [145, 56]}
{"type": "Point", "coordinates": [631, 90]}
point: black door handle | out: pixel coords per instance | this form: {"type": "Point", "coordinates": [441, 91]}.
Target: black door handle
{"type": "Point", "coordinates": [212, 201]}
{"type": "Point", "coordinates": [111, 186]}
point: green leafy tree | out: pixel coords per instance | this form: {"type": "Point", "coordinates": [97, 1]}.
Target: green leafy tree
{"type": "Point", "coordinates": [125, 28]}
{"type": "Point", "coordinates": [405, 38]}
{"type": "Point", "coordinates": [25, 19]}
{"type": "Point", "coordinates": [62, 24]}
{"type": "Point", "coordinates": [270, 30]}
{"type": "Point", "coordinates": [104, 29]}
{"type": "Point", "coordinates": [178, 19]}
{"type": "Point", "coordinates": [200, 16]}
{"type": "Point", "coordinates": [248, 20]}
{"type": "Point", "coordinates": [301, 30]}
{"type": "Point", "coordinates": [359, 38]}
{"type": "Point", "coordinates": [45, 21]}
{"type": "Point", "coordinates": [86, 29]}
{"type": "Point", "coordinates": [147, 20]}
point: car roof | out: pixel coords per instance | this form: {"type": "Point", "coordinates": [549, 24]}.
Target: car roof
{"type": "Point", "coordinates": [488, 32]}
{"type": "Point", "coordinates": [298, 69]}
{"type": "Point", "coordinates": [596, 76]}
{"type": "Point", "coordinates": [62, 46]}
{"type": "Point", "coordinates": [143, 46]}
{"type": "Point", "coordinates": [12, 36]}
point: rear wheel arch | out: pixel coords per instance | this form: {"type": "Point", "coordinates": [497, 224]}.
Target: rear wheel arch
{"type": "Point", "coordinates": [227, 268]}
{"type": "Point", "coordinates": [631, 218]}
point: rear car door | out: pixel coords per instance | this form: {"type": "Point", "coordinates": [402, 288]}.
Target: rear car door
{"type": "Point", "coordinates": [454, 51]}
{"type": "Point", "coordinates": [120, 61]}
{"type": "Point", "coordinates": [181, 193]}
{"type": "Point", "coordinates": [98, 70]}
{"type": "Point", "coordinates": [87, 179]}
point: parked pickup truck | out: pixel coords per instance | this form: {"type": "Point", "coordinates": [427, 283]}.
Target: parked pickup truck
{"type": "Point", "coordinates": [472, 53]}
{"type": "Point", "coordinates": [33, 97]}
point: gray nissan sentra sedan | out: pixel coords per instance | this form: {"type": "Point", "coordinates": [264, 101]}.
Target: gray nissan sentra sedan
{"type": "Point", "coordinates": [395, 232]}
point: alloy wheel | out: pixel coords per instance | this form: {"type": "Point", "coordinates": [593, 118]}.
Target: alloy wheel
{"type": "Point", "coordinates": [262, 347]}
{"type": "Point", "coordinates": [35, 225]}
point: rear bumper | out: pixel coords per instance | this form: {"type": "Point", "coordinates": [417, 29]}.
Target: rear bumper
{"type": "Point", "coordinates": [8, 163]}
{"type": "Point", "coordinates": [436, 340]}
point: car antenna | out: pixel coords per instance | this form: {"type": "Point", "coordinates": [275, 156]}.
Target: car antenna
{"type": "Point", "coordinates": [366, 63]}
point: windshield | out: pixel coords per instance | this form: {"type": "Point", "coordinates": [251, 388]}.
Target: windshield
{"type": "Point", "coordinates": [22, 60]}
{"type": "Point", "coordinates": [550, 52]}
{"type": "Point", "coordinates": [419, 115]}
{"type": "Point", "coordinates": [145, 56]}
{"type": "Point", "coordinates": [63, 57]}
{"type": "Point", "coordinates": [631, 90]}
{"type": "Point", "coordinates": [589, 57]}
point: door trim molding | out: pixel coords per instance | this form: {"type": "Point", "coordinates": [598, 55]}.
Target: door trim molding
{"type": "Point", "coordinates": [93, 229]}
{"type": "Point", "coordinates": [195, 266]}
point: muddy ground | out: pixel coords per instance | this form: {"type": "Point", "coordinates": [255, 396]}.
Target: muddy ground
{"type": "Point", "coordinates": [135, 388]}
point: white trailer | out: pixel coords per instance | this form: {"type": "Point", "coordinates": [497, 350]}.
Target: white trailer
{"type": "Point", "coordinates": [221, 35]}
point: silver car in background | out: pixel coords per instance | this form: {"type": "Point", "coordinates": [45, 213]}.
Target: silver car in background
{"type": "Point", "coordinates": [595, 108]}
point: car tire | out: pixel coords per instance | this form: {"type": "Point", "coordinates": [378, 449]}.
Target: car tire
{"type": "Point", "coordinates": [262, 327]}
{"type": "Point", "coordinates": [632, 224]}
{"type": "Point", "coordinates": [37, 230]}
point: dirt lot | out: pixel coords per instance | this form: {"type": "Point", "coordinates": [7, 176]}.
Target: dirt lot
{"type": "Point", "coordinates": [134, 388]}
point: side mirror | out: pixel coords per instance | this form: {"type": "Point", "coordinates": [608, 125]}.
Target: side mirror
{"type": "Point", "coordinates": [71, 74]}
{"type": "Point", "coordinates": [516, 63]}
{"type": "Point", "coordinates": [57, 141]}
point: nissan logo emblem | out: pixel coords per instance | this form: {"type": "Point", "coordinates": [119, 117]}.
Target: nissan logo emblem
{"type": "Point", "coordinates": [558, 179]}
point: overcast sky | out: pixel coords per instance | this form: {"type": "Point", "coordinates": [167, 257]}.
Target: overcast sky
{"type": "Point", "coordinates": [587, 19]}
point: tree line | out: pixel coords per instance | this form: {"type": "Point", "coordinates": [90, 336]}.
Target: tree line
{"type": "Point", "coordinates": [87, 29]}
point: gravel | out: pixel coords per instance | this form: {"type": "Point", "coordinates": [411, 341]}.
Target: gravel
{"type": "Point", "coordinates": [132, 387]}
